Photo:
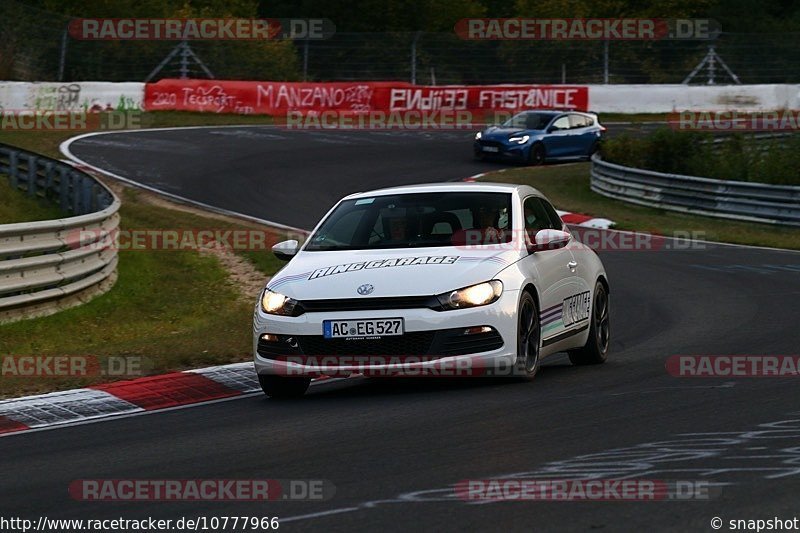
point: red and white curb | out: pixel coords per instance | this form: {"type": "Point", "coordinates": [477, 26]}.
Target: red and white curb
{"type": "Point", "coordinates": [573, 219]}
{"type": "Point", "coordinates": [576, 219]}
{"type": "Point", "coordinates": [140, 395]}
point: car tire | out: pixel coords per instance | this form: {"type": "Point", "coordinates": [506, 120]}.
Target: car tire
{"type": "Point", "coordinates": [536, 154]}
{"type": "Point", "coordinates": [478, 155]}
{"type": "Point", "coordinates": [529, 338]}
{"type": "Point", "coordinates": [283, 387]}
{"type": "Point", "coordinates": [595, 351]}
{"type": "Point", "coordinates": [594, 148]}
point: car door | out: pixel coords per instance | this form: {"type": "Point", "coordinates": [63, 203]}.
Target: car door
{"type": "Point", "coordinates": [581, 135]}
{"type": "Point", "coordinates": [556, 142]}
{"type": "Point", "coordinates": [576, 310]}
{"type": "Point", "coordinates": [554, 277]}
{"type": "Point", "coordinates": [578, 135]}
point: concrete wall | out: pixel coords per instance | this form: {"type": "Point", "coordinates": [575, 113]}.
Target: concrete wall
{"type": "Point", "coordinates": [77, 96]}
{"type": "Point", "coordinates": [18, 96]}
{"type": "Point", "coordinates": [669, 98]}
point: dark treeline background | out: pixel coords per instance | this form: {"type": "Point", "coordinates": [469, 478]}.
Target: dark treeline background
{"type": "Point", "coordinates": [377, 39]}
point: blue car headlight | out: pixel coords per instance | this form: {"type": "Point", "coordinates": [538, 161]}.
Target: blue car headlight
{"type": "Point", "coordinates": [477, 136]}
{"type": "Point", "coordinates": [519, 139]}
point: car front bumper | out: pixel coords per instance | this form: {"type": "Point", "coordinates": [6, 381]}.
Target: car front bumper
{"type": "Point", "coordinates": [504, 151]}
{"type": "Point", "coordinates": [430, 345]}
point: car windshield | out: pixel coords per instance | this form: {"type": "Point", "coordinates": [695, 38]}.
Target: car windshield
{"type": "Point", "coordinates": [416, 220]}
{"type": "Point", "coordinates": [529, 121]}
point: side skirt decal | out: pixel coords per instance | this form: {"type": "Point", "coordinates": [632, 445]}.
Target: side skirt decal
{"type": "Point", "coordinates": [562, 336]}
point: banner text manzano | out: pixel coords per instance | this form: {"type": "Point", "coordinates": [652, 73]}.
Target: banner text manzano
{"type": "Point", "coordinates": [280, 98]}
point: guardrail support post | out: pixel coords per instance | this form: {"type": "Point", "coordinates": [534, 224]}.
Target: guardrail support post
{"type": "Point", "coordinates": [32, 164]}
{"type": "Point", "coordinates": [86, 185]}
{"type": "Point", "coordinates": [13, 169]}
{"type": "Point", "coordinates": [63, 186]}
{"type": "Point", "coordinates": [49, 176]}
{"type": "Point", "coordinates": [76, 193]}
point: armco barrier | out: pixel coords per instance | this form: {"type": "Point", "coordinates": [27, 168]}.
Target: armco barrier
{"type": "Point", "coordinates": [737, 200]}
{"type": "Point", "coordinates": [46, 266]}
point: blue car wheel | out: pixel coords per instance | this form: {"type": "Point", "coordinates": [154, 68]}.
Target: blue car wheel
{"type": "Point", "coordinates": [536, 154]}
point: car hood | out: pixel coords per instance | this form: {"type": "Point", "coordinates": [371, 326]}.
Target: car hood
{"type": "Point", "coordinates": [498, 133]}
{"type": "Point", "coordinates": [395, 272]}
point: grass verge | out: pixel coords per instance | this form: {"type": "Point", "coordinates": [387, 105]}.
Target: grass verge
{"type": "Point", "coordinates": [169, 310]}
{"type": "Point", "coordinates": [567, 186]}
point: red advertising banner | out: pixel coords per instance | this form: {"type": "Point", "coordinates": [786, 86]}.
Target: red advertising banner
{"type": "Point", "coordinates": [281, 98]}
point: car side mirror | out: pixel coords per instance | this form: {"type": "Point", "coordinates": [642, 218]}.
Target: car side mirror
{"type": "Point", "coordinates": [285, 250]}
{"type": "Point", "coordinates": [549, 239]}
{"type": "Point", "coordinates": [551, 129]}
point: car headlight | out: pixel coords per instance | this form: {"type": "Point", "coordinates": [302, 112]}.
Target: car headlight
{"type": "Point", "coordinates": [274, 303]}
{"type": "Point", "coordinates": [477, 136]}
{"type": "Point", "coordinates": [519, 140]}
{"type": "Point", "coordinates": [473, 296]}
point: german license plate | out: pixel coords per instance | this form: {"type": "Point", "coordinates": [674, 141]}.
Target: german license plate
{"type": "Point", "coordinates": [373, 327]}
{"type": "Point", "coordinates": [491, 149]}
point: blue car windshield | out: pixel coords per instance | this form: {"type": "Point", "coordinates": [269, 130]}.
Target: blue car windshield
{"type": "Point", "coordinates": [529, 121]}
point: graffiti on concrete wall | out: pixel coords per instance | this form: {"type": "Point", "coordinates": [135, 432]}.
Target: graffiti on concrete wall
{"type": "Point", "coordinates": [81, 97]}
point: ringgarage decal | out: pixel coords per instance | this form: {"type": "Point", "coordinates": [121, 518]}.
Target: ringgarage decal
{"type": "Point", "coordinates": [384, 263]}
{"type": "Point", "coordinates": [572, 310]}
{"type": "Point", "coordinates": [576, 308]}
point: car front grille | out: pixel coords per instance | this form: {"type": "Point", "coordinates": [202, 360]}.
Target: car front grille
{"type": "Point", "coordinates": [496, 144]}
{"type": "Point", "coordinates": [431, 344]}
{"type": "Point", "coordinates": [417, 343]}
{"type": "Point", "coordinates": [367, 304]}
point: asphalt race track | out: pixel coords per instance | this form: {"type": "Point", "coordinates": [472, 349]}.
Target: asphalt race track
{"type": "Point", "coordinates": [260, 170]}
{"type": "Point", "coordinates": [395, 449]}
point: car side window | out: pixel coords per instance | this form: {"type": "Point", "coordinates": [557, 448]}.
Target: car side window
{"type": "Point", "coordinates": [577, 121]}
{"type": "Point", "coordinates": [536, 217]}
{"type": "Point", "coordinates": [555, 220]}
{"type": "Point", "coordinates": [561, 123]}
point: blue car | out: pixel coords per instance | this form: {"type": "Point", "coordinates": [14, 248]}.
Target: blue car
{"type": "Point", "coordinates": [538, 136]}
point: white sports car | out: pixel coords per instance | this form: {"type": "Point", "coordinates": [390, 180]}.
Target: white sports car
{"type": "Point", "coordinates": [450, 279]}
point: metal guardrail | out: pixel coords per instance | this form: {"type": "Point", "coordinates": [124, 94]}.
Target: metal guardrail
{"type": "Point", "coordinates": [737, 200]}
{"type": "Point", "coordinates": [54, 264]}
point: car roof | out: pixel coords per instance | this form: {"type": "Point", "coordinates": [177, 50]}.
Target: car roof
{"type": "Point", "coordinates": [545, 111]}
{"type": "Point", "coordinates": [556, 112]}
{"type": "Point", "coordinates": [451, 186]}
